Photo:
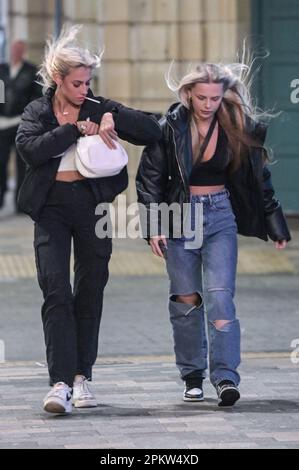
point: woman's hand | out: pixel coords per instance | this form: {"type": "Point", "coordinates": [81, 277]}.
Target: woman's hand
{"type": "Point", "coordinates": [88, 127]}
{"type": "Point", "coordinates": [154, 242]}
{"type": "Point", "coordinates": [107, 130]}
{"type": "Point", "coordinates": [281, 245]}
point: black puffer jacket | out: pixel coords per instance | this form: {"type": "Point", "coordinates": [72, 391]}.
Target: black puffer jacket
{"type": "Point", "coordinates": [40, 138]}
{"type": "Point", "coordinates": [165, 167]}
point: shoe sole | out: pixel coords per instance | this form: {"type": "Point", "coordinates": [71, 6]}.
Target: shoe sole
{"type": "Point", "coordinates": [85, 404]}
{"type": "Point", "coordinates": [229, 397]}
{"type": "Point", "coordinates": [55, 408]}
{"type": "Point", "coordinates": [193, 399]}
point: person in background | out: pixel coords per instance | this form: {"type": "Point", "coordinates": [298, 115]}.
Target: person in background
{"type": "Point", "coordinates": [18, 77]}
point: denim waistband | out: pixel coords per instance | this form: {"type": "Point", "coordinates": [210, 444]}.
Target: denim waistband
{"type": "Point", "coordinates": [204, 198]}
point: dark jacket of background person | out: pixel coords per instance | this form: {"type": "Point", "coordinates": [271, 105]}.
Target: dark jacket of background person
{"type": "Point", "coordinates": [40, 138]}
{"type": "Point", "coordinates": [20, 90]}
{"type": "Point", "coordinates": [163, 176]}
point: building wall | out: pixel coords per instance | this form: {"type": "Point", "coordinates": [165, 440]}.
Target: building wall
{"type": "Point", "coordinates": [141, 39]}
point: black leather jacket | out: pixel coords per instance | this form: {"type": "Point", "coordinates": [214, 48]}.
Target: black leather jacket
{"type": "Point", "coordinates": [163, 176]}
{"type": "Point", "coordinates": [40, 138]}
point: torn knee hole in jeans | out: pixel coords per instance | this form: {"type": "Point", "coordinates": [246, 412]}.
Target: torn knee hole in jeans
{"type": "Point", "coordinates": [195, 303]}
{"type": "Point", "coordinates": [222, 325]}
{"type": "Point", "coordinates": [184, 308]}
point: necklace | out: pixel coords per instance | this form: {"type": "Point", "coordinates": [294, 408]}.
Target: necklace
{"type": "Point", "coordinates": [62, 112]}
{"type": "Point", "coordinates": [68, 116]}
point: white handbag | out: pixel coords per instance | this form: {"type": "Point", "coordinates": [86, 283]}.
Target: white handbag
{"type": "Point", "coordinates": [95, 160]}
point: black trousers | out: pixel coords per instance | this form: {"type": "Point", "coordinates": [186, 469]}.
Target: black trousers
{"type": "Point", "coordinates": [71, 317]}
{"type": "Point", "coordinates": [7, 143]}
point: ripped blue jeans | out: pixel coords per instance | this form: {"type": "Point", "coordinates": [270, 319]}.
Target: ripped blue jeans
{"type": "Point", "coordinates": [210, 271]}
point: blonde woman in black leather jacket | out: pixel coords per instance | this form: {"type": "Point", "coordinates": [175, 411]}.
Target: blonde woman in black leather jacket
{"type": "Point", "coordinates": [211, 158]}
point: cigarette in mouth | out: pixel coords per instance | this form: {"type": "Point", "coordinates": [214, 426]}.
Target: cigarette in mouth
{"type": "Point", "coordinates": [90, 99]}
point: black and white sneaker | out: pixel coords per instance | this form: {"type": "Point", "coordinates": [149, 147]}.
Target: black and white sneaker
{"type": "Point", "coordinates": [193, 390]}
{"type": "Point", "coordinates": [228, 393]}
{"type": "Point", "coordinates": [59, 399]}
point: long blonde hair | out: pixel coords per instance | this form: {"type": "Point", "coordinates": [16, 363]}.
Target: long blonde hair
{"type": "Point", "coordinates": [236, 106]}
{"type": "Point", "coordinates": [64, 54]}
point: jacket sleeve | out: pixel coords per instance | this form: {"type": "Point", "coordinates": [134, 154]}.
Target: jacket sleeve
{"type": "Point", "coordinates": [276, 224]}
{"type": "Point", "coordinates": [136, 127]}
{"type": "Point", "coordinates": [151, 182]}
{"type": "Point", "coordinates": [36, 146]}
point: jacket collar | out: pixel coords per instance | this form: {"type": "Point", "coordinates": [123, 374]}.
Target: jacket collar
{"type": "Point", "coordinates": [178, 116]}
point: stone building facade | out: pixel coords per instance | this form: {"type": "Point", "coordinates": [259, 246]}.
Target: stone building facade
{"type": "Point", "coordinates": [141, 38]}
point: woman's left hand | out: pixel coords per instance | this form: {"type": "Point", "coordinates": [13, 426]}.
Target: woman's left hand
{"type": "Point", "coordinates": [107, 130]}
{"type": "Point", "coordinates": [281, 245]}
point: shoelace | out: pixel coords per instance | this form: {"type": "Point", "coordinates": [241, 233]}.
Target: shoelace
{"type": "Point", "coordinates": [226, 386]}
{"type": "Point", "coordinates": [85, 389]}
{"type": "Point", "coordinates": [58, 390]}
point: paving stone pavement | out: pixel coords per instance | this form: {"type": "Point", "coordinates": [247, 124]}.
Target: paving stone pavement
{"type": "Point", "coordinates": [135, 317]}
{"type": "Point", "coordinates": [139, 393]}
{"type": "Point", "coordinates": [140, 407]}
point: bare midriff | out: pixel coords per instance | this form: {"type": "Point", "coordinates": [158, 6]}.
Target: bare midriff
{"type": "Point", "coordinates": [206, 189]}
{"type": "Point", "coordinates": [69, 176]}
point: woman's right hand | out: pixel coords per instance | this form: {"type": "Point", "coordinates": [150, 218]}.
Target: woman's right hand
{"type": "Point", "coordinates": [88, 127]}
{"type": "Point", "coordinates": [154, 242]}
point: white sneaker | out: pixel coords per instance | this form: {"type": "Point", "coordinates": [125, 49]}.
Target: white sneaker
{"type": "Point", "coordinates": [82, 394]}
{"type": "Point", "coordinates": [59, 399]}
{"type": "Point", "coordinates": [193, 390]}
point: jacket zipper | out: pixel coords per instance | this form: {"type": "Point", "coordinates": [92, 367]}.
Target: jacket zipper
{"type": "Point", "coordinates": [178, 162]}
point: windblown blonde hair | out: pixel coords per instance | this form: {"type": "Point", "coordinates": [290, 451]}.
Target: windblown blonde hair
{"type": "Point", "coordinates": [64, 54]}
{"type": "Point", "coordinates": [235, 109]}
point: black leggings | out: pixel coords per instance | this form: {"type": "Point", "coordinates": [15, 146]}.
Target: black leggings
{"type": "Point", "coordinates": [71, 318]}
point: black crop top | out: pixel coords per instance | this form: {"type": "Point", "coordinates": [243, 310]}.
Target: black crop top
{"type": "Point", "coordinates": [212, 172]}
